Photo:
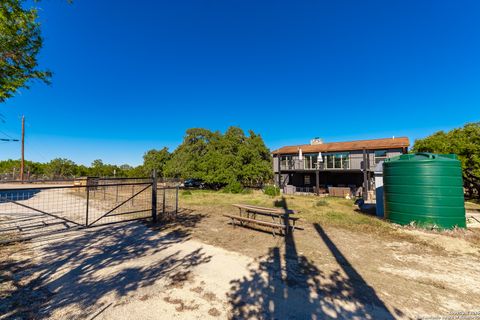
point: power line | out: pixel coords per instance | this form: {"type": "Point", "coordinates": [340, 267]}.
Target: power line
{"type": "Point", "coordinates": [9, 136]}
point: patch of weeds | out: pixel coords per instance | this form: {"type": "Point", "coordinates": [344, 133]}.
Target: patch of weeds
{"type": "Point", "coordinates": [181, 306]}
{"type": "Point", "coordinates": [144, 297]}
{"type": "Point", "coordinates": [321, 203]}
{"type": "Point", "coordinates": [271, 190]}
{"type": "Point", "coordinates": [197, 289]}
{"type": "Point", "coordinates": [172, 301]}
{"type": "Point", "coordinates": [209, 296]}
{"type": "Point", "coordinates": [186, 193]}
{"type": "Point", "coordinates": [336, 216]}
{"type": "Point", "coordinates": [247, 191]}
{"type": "Point", "coordinates": [214, 312]}
{"type": "Point", "coordinates": [178, 279]}
{"type": "Point", "coordinates": [473, 236]}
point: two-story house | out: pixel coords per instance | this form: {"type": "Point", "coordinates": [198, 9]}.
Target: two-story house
{"type": "Point", "coordinates": [316, 166]}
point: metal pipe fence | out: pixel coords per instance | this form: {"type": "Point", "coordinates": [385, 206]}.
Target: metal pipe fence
{"type": "Point", "coordinates": [27, 211]}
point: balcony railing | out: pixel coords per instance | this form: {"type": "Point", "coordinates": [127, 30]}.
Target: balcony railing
{"type": "Point", "coordinates": [302, 165]}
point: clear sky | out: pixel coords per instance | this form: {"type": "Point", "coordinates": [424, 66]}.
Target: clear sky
{"type": "Point", "coordinates": [134, 75]}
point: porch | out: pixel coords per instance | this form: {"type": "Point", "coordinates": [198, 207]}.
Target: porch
{"type": "Point", "coordinates": [321, 182]}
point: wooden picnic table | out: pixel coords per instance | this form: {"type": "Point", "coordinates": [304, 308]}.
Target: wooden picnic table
{"type": "Point", "coordinates": [258, 209]}
{"type": "Point", "coordinates": [280, 217]}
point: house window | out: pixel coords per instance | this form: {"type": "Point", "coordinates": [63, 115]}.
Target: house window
{"type": "Point", "coordinates": [337, 161]}
{"type": "Point", "coordinates": [310, 161]}
{"type": "Point", "coordinates": [329, 161]}
{"type": "Point", "coordinates": [380, 155]}
{"type": "Point", "coordinates": [306, 180]}
{"type": "Point", "coordinates": [345, 161]}
{"type": "Point", "coordinates": [286, 162]}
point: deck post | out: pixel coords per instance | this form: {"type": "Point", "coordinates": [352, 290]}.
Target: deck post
{"type": "Point", "coordinates": [279, 172]}
{"type": "Point", "coordinates": [365, 175]}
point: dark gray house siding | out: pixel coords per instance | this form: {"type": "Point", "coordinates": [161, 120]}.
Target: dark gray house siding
{"type": "Point", "coordinates": [343, 168]}
{"type": "Point", "coordinates": [355, 160]}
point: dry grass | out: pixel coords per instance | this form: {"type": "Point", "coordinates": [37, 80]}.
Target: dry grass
{"type": "Point", "coordinates": [329, 211]}
{"type": "Point", "coordinates": [472, 205]}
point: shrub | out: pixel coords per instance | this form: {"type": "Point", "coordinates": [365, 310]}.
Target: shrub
{"type": "Point", "coordinates": [271, 190]}
{"type": "Point", "coordinates": [233, 187]}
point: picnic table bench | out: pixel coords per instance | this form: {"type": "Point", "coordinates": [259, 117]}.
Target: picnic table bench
{"type": "Point", "coordinates": [281, 219]}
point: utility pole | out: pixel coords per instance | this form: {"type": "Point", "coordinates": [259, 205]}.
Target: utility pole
{"type": "Point", "coordinates": [22, 163]}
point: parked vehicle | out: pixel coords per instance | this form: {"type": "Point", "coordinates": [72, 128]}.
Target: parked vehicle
{"type": "Point", "coordinates": [194, 183]}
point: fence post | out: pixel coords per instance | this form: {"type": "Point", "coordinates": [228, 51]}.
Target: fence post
{"type": "Point", "coordinates": [163, 208]}
{"type": "Point", "coordinates": [176, 201]}
{"type": "Point", "coordinates": [88, 201]}
{"type": "Point", "coordinates": [154, 196]}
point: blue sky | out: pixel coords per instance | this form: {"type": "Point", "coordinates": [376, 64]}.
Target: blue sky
{"type": "Point", "coordinates": [134, 75]}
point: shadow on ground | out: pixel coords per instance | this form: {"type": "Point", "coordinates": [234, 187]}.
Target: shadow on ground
{"type": "Point", "coordinates": [290, 286]}
{"type": "Point", "coordinates": [79, 270]}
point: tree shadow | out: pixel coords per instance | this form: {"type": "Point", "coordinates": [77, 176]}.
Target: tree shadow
{"type": "Point", "coordinates": [79, 272]}
{"type": "Point", "coordinates": [359, 288]}
{"type": "Point", "coordinates": [290, 286]}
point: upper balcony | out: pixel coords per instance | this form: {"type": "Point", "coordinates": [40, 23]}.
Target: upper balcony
{"type": "Point", "coordinates": [299, 160]}
{"type": "Point", "coordinates": [330, 163]}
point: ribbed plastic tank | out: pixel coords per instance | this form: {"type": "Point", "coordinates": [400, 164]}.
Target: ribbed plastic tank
{"type": "Point", "coordinates": [424, 188]}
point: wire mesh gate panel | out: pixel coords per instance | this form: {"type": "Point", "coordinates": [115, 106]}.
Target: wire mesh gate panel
{"type": "Point", "coordinates": [27, 213]}
{"type": "Point", "coordinates": [167, 203]}
{"type": "Point", "coordinates": [110, 203]}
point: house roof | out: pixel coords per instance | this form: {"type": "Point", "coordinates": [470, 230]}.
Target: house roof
{"type": "Point", "coordinates": [386, 143]}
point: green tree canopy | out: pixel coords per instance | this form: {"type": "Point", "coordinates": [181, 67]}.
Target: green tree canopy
{"type": "Point", "coordinates": [186, 159]}
{"type": "Point", "coordinates": [232, 158]}
{"type": "Point", "coordinates": [20, 43]}
{"type": "Point", "coordinates": [100, 169]}
{"type": "Point", "coordinates": [221, 159]}
{"type": "Point", "coordinates": [12, 167]}
{"type": "Point", "coordinates": [65, 168]}
{"type": "Point", "coordinates": [155, 160]}
{"type": "Point", "coordinates": [465, 142]}
{"type": "Point", "coordinates": [60, 168]}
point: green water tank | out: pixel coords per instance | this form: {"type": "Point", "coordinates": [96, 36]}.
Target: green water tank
{"type": "Point", "coordinates": [424, 188]}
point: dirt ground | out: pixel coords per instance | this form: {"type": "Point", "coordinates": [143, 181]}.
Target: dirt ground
{"type": "Point", "coordinates": [432, 275]}
{"type": "Point", "coordinates": [123, 271]}
{"type": "Point", "coordinates": [201, 267]}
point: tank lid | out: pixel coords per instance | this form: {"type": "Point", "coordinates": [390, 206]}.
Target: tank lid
{"type": "Point", "coordinates": [420, 156]}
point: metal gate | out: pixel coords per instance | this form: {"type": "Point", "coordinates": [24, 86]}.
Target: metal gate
{"type": "Point", "coordinates": [29, 212]}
